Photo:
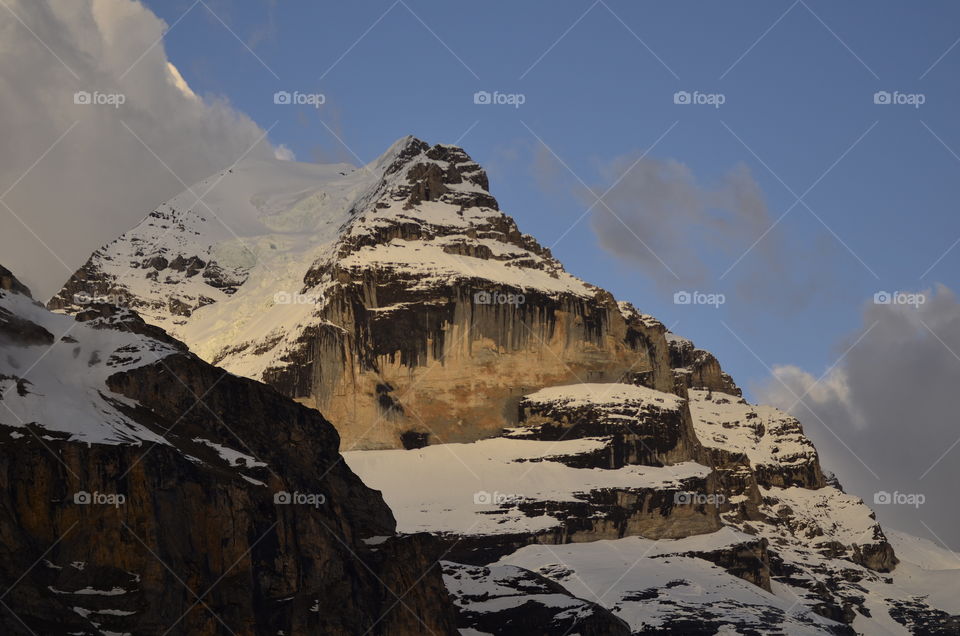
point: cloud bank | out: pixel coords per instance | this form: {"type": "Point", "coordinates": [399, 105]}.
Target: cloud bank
{"type": "Point", "coordinates": [893, 401]}
{"type": "Point", "coordinates": [107, 170]}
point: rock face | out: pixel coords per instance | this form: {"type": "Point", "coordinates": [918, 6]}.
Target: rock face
{"type": "Point", "coordinates": [646, 427]}
{"type": "Point", "coordinates": [552, 440]}
{"type": "Point", "coordinates": [696, 368]}
{"type": "Point", "coordinates": [128, 504]}
{"type": "Point", "coordinates": [396, 299]}
{"type": "Point", "coordinates": [736, 489]}
{"type": "Point", "coordinates": [771, 441]}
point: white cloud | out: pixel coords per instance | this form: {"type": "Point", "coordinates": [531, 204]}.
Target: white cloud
{"type": "Point", "coordinates": [284, 154]}
{"type": "Point", "coordinates": [893, 402]}
{"type": "Point", "coordinates": [793, 386]}
{"type": "Point", "coordinates": [181, 84]}
{"type": "Point", "coordinates": [100, 178]}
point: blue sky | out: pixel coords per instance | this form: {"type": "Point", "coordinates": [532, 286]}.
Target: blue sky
{"type": "Point", "coordinates": [798, 82]}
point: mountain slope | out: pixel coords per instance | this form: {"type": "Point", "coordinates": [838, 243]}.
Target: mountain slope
{"type": "Point", "coordinates": [396, 298]}
{"type": "Point", "coordinates": [556, 442]}
{"type": "Point", "coordinates": [129, 505]}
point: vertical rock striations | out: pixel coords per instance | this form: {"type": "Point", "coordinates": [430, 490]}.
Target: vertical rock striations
{"type": "Point", "coordinates": [398, 300]}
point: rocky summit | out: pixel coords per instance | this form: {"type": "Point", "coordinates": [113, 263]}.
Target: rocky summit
{"type": "Point", "coordinates": [555, 460]}
{"type": "Point", "coordinates": [396, 298]}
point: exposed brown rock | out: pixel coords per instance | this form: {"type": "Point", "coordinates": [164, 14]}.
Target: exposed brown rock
{"type": "Point", "coordinates": [698, 369]}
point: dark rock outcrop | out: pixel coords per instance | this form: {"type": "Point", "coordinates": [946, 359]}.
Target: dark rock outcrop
{"type": "Point", "coordinates": [241, 519]}
{"type": "Point", "coordinates": [645, 427]}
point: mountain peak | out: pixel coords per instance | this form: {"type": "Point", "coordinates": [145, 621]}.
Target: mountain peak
{"type": "Point", "coordinates": [278, 252]}
{"type": "Point", "coordinates": [405, 147]}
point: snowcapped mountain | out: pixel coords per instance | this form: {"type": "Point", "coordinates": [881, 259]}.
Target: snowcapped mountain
{"type": "Point", "coordinates": [395, 298]}
{"type": "Point", "coordinates": [585, 469]}
{"type": "Point", "coordinates": [121, 493]}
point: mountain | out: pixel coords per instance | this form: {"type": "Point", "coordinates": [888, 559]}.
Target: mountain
{"type": "Point", "coordinates": [396, 293]}
{"type": "Point", "coordinates": [143, 490]}
{"type": "Point", "coordinates": [583, 469]}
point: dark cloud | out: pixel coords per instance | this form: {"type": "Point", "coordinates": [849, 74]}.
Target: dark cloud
{"type": "Point", "coordinates": [685, 234]}
{"type": "Point", "coordinates": [893, 401]}
{"type": "Point", "coordinates": [661, 203]}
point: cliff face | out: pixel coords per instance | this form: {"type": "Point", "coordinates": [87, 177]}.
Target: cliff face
{"type": "Point", "coordinates": [405, 307]}
{"type": "Point", "coordinates": [442, 368]}
{"type": "Point", "coordinates": [696, 368]}
{"type": "Point", "coordinates": [143, 490]}
{"type": "Point", "coordinates": [708, 478]}
{"type": "Point", "coordinates": [551, 439]}
{"type": "Point", "coordinates": [645, 426]}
